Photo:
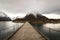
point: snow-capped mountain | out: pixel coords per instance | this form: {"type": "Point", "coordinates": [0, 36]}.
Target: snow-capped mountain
{"type": "Point", "coordinates": [4, 17]}
{"type": "Point", "coordinates": [2, 14]}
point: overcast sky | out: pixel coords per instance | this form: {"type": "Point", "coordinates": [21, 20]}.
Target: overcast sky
{"type": "Point", "coordinates": [49, 8]}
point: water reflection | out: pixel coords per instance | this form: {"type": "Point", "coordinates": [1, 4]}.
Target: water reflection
{"type": "Point", "coordinates": [53, 26]}
{"type": "Point", "coordinates": [51, 31]}
{"type": "Point", "coordinates": [6, 28]}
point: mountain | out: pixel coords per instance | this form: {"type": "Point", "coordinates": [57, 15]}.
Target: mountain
{"type": "Point", "coordinates": [36, 19]}
{"type": "Point", "coordinates": [30, 17]}
{"type": "Point", "coordinates": [39, 17]}
{"type": "Point", "coordinates": [4, 17]}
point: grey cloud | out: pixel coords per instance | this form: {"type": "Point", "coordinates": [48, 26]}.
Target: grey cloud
{"type": "Point", "coordinates": [41, 6]}
{"type": "Point", "coordinates": [15, 5]}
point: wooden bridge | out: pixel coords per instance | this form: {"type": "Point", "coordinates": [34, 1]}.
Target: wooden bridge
{"type": "Point", "coordinates": [27, 32]}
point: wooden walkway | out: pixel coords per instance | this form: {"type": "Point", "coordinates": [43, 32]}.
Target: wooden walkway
{"type": "Point", "coordinates": [27, 32]}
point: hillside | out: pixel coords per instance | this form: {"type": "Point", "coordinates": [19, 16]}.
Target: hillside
{"type": "Point", "coordinates": [38, 19]}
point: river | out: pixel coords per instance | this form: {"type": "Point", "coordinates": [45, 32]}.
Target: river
{"type": "Point", "coordinates": [50, 30]}
{"type": "Point", "coordinates": [7, 28]}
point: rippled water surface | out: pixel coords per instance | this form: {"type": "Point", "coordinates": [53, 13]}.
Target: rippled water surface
{"type": "Point", "coordinates": [50, 30]}
{"type": "Point", "coordinates": [7, 28]}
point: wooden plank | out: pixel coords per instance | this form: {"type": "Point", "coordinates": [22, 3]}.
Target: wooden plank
{"type": "Point", "coordinates": [27, 32]}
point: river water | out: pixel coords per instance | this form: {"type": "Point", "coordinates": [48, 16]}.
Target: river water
{"type": "Point", "coordinates": [7, 28]}
{"type": "Point", "coordinates": [50, 30]}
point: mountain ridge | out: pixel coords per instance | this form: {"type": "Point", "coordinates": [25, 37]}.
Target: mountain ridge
{"type": "Point", "coordinates": [4, 17]}
{"type": "Point", "coordinates": [38, 19]}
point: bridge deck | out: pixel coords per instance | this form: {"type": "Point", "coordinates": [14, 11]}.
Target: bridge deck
{"type": "Point", "coordinates": [27, 32]}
